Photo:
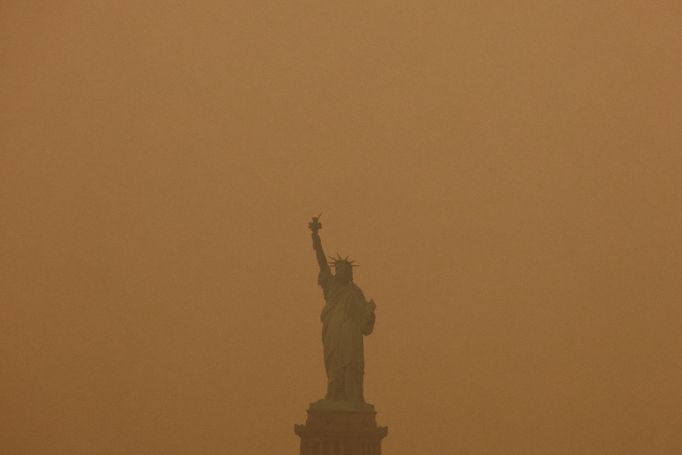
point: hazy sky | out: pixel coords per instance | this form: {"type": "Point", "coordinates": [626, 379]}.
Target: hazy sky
{"type": "Point", "coordinates": [507, 174]}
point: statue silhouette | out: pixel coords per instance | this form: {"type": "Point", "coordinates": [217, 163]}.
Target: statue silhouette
{"type": "Point", "coordinates": [346, 317]}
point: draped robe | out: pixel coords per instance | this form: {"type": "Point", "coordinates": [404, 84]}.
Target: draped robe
{"type": "Point", "coordinates": [346, 318]}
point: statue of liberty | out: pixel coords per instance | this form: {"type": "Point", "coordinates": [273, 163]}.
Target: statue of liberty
{"type": "Point", "coordinates": [346, 318]}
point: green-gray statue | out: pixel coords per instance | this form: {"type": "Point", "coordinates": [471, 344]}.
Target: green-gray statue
{"type": "Point", "coordinates": [346, 318]}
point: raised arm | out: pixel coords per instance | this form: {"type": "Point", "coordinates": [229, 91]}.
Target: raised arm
{"type": "Point", "coordinates": [315, 227]}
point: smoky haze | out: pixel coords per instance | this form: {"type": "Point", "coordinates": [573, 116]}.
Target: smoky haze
{"type": "Point", "coordinates": [507, 175]}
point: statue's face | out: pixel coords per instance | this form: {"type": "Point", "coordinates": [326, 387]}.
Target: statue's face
{"type": "Point", "coordinates": [344, 273]}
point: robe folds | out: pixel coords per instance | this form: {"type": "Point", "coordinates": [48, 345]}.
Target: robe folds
{"type": "Point", "coordinates": [346, 318]}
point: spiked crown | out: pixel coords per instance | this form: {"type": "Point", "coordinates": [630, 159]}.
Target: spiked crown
{"type": "Point", "coordinates": [335, 261]}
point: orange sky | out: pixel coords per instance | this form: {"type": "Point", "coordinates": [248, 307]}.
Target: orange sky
{"type": "Point", "coordinates": [506, 173]}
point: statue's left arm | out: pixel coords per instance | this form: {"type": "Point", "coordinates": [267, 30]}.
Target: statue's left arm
{"type": "Point", "coordinates": [368, 327]}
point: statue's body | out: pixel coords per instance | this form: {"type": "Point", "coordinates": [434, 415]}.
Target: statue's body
{"type": "Point", "coordinates": [346, 318]}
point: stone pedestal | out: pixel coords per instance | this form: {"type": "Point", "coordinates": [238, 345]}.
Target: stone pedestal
{"type": "Point", "coordinates": [331, 432]}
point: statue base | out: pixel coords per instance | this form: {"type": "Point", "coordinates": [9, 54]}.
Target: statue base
{"type": "Point", "coordinates": [340, 428]}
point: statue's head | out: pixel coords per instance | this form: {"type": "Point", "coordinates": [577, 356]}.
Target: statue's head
{"type": "Point", "coordinates": [343, 268]}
